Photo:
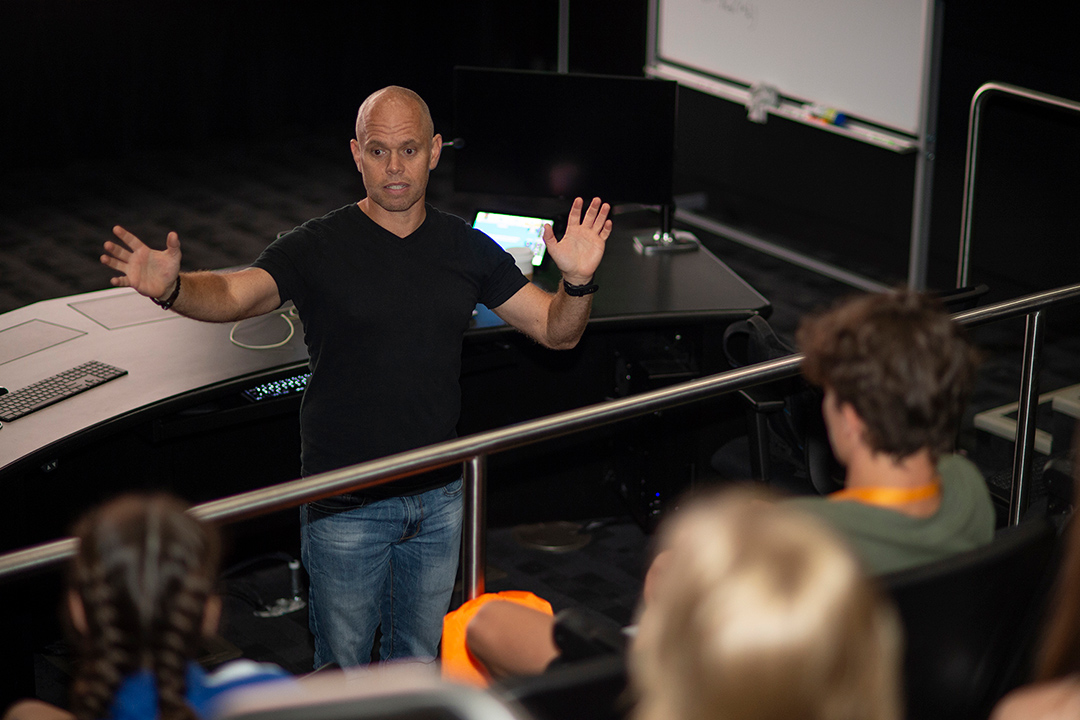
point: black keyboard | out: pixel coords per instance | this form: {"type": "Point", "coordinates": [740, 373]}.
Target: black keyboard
{"type": "Point", "coordinates": [278, 388]}
{"type": "Point", "coordinates": [45, 392]}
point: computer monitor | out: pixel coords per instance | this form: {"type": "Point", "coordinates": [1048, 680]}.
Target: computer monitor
{"type": "Point", "coordinates": [564, 135]}
{"type": "Point", "coordinates": [514, 231]}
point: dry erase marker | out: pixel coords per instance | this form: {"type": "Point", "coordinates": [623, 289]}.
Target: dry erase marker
{"type": "Point", "coordinates": [827, 115]}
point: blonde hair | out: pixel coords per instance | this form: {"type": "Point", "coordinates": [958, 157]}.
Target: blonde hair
{"type": "Point", "coordinates": [760, 613]}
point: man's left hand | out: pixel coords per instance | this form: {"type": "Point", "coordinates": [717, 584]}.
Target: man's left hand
{"type": "Point", "coordinates": [579, 252]}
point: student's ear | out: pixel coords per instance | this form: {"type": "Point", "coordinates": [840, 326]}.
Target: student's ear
{"type": "Point", "coordinates": [211, 616]}
{"type": "Point", "coordinates": [77, 612]}
{"type": "Point", "coordinates": [851, 416]}
{"type": "Point", "coordinates": [853, 421]}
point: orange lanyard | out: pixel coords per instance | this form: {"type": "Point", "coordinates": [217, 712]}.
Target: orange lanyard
{"type": "Point", "coordinates": [888, 495]}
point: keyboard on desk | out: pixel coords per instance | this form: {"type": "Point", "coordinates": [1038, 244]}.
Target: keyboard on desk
{"type": "Point", "coordinates": [53, 389]}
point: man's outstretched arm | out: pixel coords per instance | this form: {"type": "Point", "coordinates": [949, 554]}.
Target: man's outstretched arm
{"type": "Point", "coordinates": [214, 297]}
{"type": "Point", "coordinates": [557, 320]}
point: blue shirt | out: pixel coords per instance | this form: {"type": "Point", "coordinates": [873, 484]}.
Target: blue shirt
{"type": "Point", "coordinates": [137, 698]}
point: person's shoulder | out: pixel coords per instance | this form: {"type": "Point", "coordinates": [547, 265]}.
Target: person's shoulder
{"type": "Point", "coordinates": [461, 235]}
{"type": "Point", "coordinates": [811, 502]}
{"type": "Point", "coordinates": [446, 221]}
{"type": "Point", "coordinates": [208, 691]}
{"type": "Point", "coordinates": [346, 215]}
{"type": "Point", "coordinates": [1056, 700]}
{"type": "Point", "coordinates": [243, 671]}
{"type": "Point", "coordinates": [820, 506]}
{"type": "Point", "coordinates": [823, 505]}
{"type": "Point", "coordinates": [857, 519]}
{"type": "Point", "coordinates": [963, 482]}
{"type": "Point", "coordinates": [34, 709]}
{"type": "Point", "coordinates": [955, 465]}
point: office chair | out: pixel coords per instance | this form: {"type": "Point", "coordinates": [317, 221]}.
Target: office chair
{"type": "Point", "coordinates": [971, 621]}
{"type": "Point", "coordinates": [783, 418]}
{"type": "Point", "coordinates": [394, 692]}
{"type": "Point", "coordinates": [589, 689]}
{"type": "Point", "coordinates": [588, 680]}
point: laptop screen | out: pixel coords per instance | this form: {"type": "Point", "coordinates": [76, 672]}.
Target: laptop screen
{"type": "Point", "coordinates": [514, 231]}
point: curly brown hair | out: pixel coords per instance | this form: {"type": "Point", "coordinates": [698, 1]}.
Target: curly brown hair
{"type": "Point", "coordinates": [900, 361]}
{"type": "Point", "coordinates": [144, 571]}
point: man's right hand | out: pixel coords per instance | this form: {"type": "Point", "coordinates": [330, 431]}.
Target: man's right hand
{"type": "Point", "coordinates": [151, 273]}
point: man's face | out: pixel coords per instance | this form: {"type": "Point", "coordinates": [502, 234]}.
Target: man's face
{"type": "Point", "coordinates": [394, 156]}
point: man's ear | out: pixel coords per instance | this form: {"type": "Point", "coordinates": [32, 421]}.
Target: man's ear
{"type": "Point", "coordinates": [853, 421]}
{"type": "Point", "coordinates": [211, 616]}
{"type": "Point", "coordinates": [77, 612]}
{"type": "Point", "coordinates": [355, 149]}
{"type": "Point", "coordinates": [436, 151]}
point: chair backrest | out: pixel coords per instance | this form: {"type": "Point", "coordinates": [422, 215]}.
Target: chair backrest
{"type": "Point", "coordinates": [971, 621]}
{"type": "Point", "coordinates": [591, 689]}
{"type": "Point", "coordinates": [790, 422]}
{"type": "Point", "coordinates": [400, 692]}
{"type": "Point", "coordinates": [962, 298]}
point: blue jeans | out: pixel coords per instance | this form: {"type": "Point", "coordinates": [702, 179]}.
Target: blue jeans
{"type": "Point", "coordinates": [391, 562]}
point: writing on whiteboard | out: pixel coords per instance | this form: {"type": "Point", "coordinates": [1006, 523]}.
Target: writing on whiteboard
{"type": "Point", "coordinates": [736, 8]}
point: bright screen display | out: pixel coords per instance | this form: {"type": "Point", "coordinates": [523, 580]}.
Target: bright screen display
{"type": "Point", "coordinates": [514, 231]}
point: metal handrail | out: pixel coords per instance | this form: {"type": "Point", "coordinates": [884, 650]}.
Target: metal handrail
{"type": "Point", "coordinates": [982, 95]}
{"type": "Point", "coordinates": [473, 450]}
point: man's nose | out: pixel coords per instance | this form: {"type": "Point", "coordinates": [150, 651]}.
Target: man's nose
{"type": "Point", "coordinates": [394, 165]}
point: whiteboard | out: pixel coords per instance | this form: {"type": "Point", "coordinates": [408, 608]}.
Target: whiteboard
{"type": "Point", "coordinates": [866, 58]}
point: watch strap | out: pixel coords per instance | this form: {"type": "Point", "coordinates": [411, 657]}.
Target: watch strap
{"type": "Point", "coordinates": [580, 290]}
{"type": "Point", "coordinates": [168, 302]}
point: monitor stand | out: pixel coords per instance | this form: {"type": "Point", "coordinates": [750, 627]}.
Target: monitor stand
{"type": "Point", "coordinates": [666, 239]}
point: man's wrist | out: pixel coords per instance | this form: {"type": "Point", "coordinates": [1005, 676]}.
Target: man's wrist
{"type": "Point", "coordinates": [577, 279]}
{"type": "Point", "coordinates": [166, 301]}
{"type": "Point", "coordinates": [168, 291]}
{"type": "Point", "coordinates": [579, 290]}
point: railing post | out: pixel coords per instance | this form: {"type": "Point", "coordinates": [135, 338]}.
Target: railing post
{"type": "Point", "coordinates": [474, 528]}
{"type": "Point", "coordinates": [1024, 450]}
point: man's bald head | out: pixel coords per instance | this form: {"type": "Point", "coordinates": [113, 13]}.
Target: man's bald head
{"type": "Point", "coordinates": [394, 94]}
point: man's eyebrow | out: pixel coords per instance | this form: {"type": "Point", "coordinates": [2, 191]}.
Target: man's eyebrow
{"type": "Point", "coordinates": [372, 142]}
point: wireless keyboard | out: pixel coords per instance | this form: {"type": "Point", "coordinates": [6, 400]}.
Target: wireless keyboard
{"type": "Point", "coordinates": [54, 389]}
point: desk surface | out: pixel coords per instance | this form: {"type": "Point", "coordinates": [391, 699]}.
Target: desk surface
{"type": "Point", "coordinates": [168, 356]}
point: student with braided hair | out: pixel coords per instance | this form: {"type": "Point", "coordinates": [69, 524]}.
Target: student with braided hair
{"type": "Point", "coordinates": [140, 599]}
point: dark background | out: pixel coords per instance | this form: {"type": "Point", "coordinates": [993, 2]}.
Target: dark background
{"type": "Point", "coordinates": [106, 79]}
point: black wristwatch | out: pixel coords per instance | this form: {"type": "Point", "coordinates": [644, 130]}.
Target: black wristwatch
{"type": "Point", "coordinates": [579, 290]}
{"type": "Point", "coordinates": [168, 302]}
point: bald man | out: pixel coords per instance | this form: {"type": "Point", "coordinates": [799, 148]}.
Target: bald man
{"type": "Point", "coordinates": [385, 288]}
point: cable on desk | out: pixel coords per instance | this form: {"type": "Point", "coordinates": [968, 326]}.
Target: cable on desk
{"type": "Point", "coordinates": [286, 315]}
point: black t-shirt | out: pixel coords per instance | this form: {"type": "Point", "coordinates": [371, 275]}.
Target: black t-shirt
{"type": "Point", "coordinates": [384, 319]}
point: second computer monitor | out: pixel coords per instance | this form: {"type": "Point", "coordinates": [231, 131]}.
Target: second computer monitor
{"type": "Point", "coordinates": [563, 135]}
